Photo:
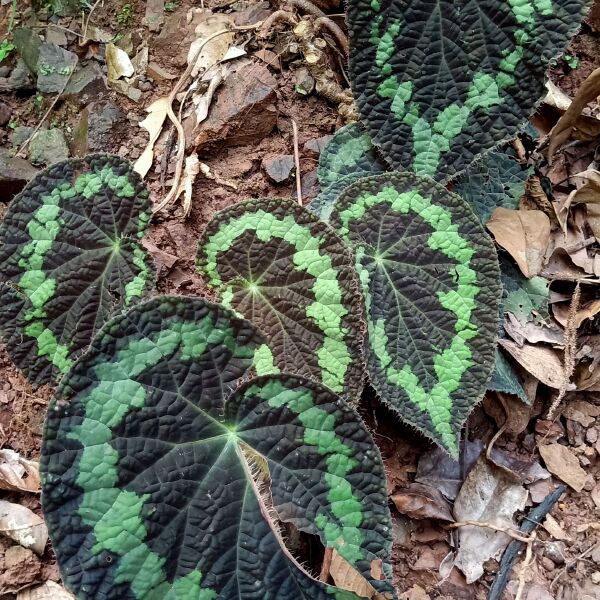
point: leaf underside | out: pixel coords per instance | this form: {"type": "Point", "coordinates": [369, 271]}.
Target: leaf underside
{"type": "Point", "coordinates": [288, 273]}
{"type": "Point", "coordinates": [430, 278]}
{"type": "Point", "coordinates": [149, 475]}
{"type": "Point", "coordinates": [347, 157]}
{"type": "Point", "coordinates": [70, 256]}
{"type": "Point", "coordinates": [438, 82]}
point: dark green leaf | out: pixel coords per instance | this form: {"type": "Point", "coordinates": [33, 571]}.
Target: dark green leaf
{"type": "Point", "coordinates": [347, 157]}
{"type": "Point", "coordinates": [150, 480]}
{"type": "Point", "coordinates": [430, 278]}
{"type": "Point", "coordinates": [438, 82]}
{"type": "Point", "coordinates": [70, 256]}
{"type": "Point", "coordinates": [495, 180]}
{"type": "Point", "coordinates": [288, 273]}
{"type": "Point", "coordinates": [505, 379]}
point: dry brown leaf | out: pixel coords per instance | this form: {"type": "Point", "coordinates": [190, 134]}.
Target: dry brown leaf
{"type": "Point", "coordinates": [153, 124]}
{"type": "Point", "coordinates": [420, 501]}
{"type": "Point", "coordinates": [491, 496]}
{"type": "Point", "coordinates": [551, 525]}
{"type": "Point", "coordinates": [18, 473]}
{"type": "Point", "coordinates": [581, 412]}
{"type": "Point", "coordinates": [23, 526]}
{"type": "Point", "coordinates": [542, 362]}
{"type": "Point", "coordinates": [588, 193]}
{"type": "Point", "coordinates": [216, 49]}
{"type": "Point", "coordinates": [587, 311]}
{"type": "Point", "coordinates": [46, 591]}
{"type": "Point", "coordinates": [524, 234]}
{"type": "Point", "coordinates": [562, 131]}
{"type": "Point", "coordinates": [530, 332]}
{"type": "Point", "coordinates": [118, 63]}
{"type": "Point", "coordinates": [560, 461]}
{"type": "Point", "coordinates": [191, 170]}
{"type": "Point", "coordinates": [348, 578]}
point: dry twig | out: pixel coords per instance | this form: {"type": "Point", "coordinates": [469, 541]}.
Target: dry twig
{"type": "Point", "coordinates": [513, 534]}
{"type": "Point", "coordinates": [297, 161]}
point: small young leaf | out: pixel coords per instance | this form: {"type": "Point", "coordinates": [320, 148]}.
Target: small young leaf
{"type": "Point", "coordinates": [438, 82]}
{"type": "Point", "coordinates": [347, 157]}
{"type": "Point", "coordinates": [288, 273]}
{"type": "Point", "coordinates": [70, 256]}
{"type": "Point", "coordinates": [430, 278]}
{"type": "Point", "coordinates": [148, 474]}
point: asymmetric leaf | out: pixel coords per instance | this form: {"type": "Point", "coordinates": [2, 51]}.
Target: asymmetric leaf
{"type": "Point", "coordinates": [70, 256]}
{"type": "Point", "coordinates": [288, 273]}
{"type": "Point", "coordinates": [439, 82]}
{"type": "Point", "coordinates": [347, 157]}
{"type": "Point", "coordinates": [151, 478]}
{"type": "Point", "coordinates": [430, 278]}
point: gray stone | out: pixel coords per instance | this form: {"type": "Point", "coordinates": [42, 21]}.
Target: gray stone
{"type": "Point", "coordinates": [56, 36]}
{"type": "Point", "coordinates": [54, 68]}
{"type": "Point", "coordinates": [14, 174]}
{"type": "Point", "coordinates": [5, 113]}
{"type": "Point", "coordinates": [279, 168]}
{"type": "Point", "coordinates": [28, 44]}
{"type": "Point", "coordinates": [103, 116]}
{"type": "Point", "coordinates": [555, 551]}
{"type": "Point", "coordinates": [19, 135]}
{"type": "Point", "coordinates": [315, 146]}
{"type": "Point", "coordinates": [155, 15]}
{"type": "Point", "coordinates": [48, 146]}
{"type": "Point", "coordinates": [19, 78]}
{"type": "Point", "coordinates": [87, 83]}
{"type": "Point", "coordinates": [304, 81]}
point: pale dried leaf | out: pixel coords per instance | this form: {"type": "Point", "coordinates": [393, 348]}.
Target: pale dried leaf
{"type": "Point", "coordinates": [542, 362]}
{"type": "Point", "coordinates": [203, 101]}
{"type": "Point", "coordinates": [140, 60]}
{"type": "Point", "coordinates": [46, 591]}
{"type": "Point", "coordinates": [588, 91]}
{"type": "Point", "coordinates": [587, 311]}
{"type": "Point", "coordinates": [348, 578]}
{"type": "Point", "coordinates": [118, 63]}
{"type": "Point", "coordinates": [214, 51]}
{"type": "Point", "coordinates": [551, 525]}
{"type": "Point", "coordinates": [420, 501]}
{"type": "Point", "coordinates": [560, 461]}
{"type": "Point", "coordinates": [524, 234]}
{"type": "Point", "coordinates": [190, 172]}
{"type": "Point", "coordinates": [18, 473]}
{"type": "Point", "coordinates": [207, 172]}
{"type": "Point", "coordinates": [531, 332]}
{"type": "Point", "coordinates": [488, 495]}
{"type": "Point", "coordinates": [153, 124]}
{"type": "Point", "coordinates": [23, 526]}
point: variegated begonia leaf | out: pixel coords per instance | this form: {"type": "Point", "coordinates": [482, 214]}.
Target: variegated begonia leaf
{"type": "Point", "coordinates": [287, 272]}
{"type": "Point", "coordinates": [158, 487]}
{"type": "Point", "coordinates": [430, 279]}
{"type": "Point", "coordinates": [70, 256]}
{"type": "Point", "coordinates": [439, 82]}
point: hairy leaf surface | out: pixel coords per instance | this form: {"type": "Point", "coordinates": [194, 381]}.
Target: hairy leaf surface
{"type": "Point", "coordinates": [150, 476]}
{"type": "Point", "coordinates": [287, 272]}
{"type": "Point", "coordinates": [438, 82]}
{"type": "Point", "coordinates": [430, 278]}
{"type": "Point", "coordinates": [347, 157]}
{"type": "Point", "coordinates": [70, 256]}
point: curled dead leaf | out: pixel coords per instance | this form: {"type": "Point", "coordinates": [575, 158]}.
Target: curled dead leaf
{"type": "Point", "coordinates": [420, 501]}
{"type": "Point", "coordinates": [153, 124]}
{"type": "Point", "coordinates": [524, 234]}
{"type": "Point", "coordinates": [348, 578]}
{"type": "Point", "coordinates": [46, 591]}
{"type": "Point", "coordinates": [23, 526]}
{"type": "Point", "coordinates": [560, 461]}
{"type": "Point", "coordinates": [18, 473]}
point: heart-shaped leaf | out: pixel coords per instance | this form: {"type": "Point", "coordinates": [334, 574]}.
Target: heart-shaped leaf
{"type": "Point", "coordinates": [288, 273]}
{"type": "Point", "coordinates": [156, 488]}
{"type": "Point", "coordinates": [438, 82]}
{"type": "Point", "coordinates": [430, 278]}
{"type": "Point", "coordinates": [70, 257]}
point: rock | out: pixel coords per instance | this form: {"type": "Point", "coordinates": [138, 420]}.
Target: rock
{"type": "Point", "coordinates": [591, 435]}
{"type": "Point", "coordinates": [304, 81]}
{"type": "Point", "coordinates": [21, 568]}
{"type": "Point", "coordinates": [279, 168]}
{"type": "Point", "coordinates": [315, 146]}
{"type": "Point", "coordinates": [19, 79]}
{"type": "Point", "coordinates": [48, 146]}
{"type": "Point", "coordinates": [560, 461]}
{"type": "Point", "coordinates": [127, 89]}
{"type": "Point", "coordinates": [93, 131]}
{"type": "Point", "coordinates": [14, 174]}
{"type": "Point", "coordinates": [540, 489]}
{"type": "Point", "coordinates": [595, 577]}
{"type": "Point", "coordinates": [155, 15]}
{"type": "Point", "coordinates": [56, 36]}
{"type": "Point", "coordinates": [145, 85]}
{"type": "Point", "coordinates": [5, 113]}
{"type": "Point", "coordinates": [19, 135]}
{"type": "Point", "coordinates": [157, 73]}
{"type": "Point", "coordinates": [250, 14]}
{"type": "Point", "coordinates": [244, 110]}
{"type": "Point", "coordinates": [54, 68]}
{"type": "Point", "coordinates": [88, 83]}
{"type": "Point", "coordinates": [555, 551]}
{"type": "Point", "coordinates": [28, 44]}
{"type": "Point", "coordinates": [547, 563]}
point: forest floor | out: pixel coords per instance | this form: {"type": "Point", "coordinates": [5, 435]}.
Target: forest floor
{"type": "Point", "coordinates": [247, 144]}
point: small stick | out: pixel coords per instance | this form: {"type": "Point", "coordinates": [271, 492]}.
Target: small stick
{"type": "Point", "coordinates": [335, 30]}
{"type": "Point", "coordinates": [529, 523]}
{"type": "Point", "coordinates": [573, 562]}
{"type": "Point", "coordinates": [50, 108]}
{"type": "Point", "coordinates": [510, 532]}
{"type": "Point", "coordinates": [87, 21]}
{"type": "Point", "coordinates": [297, 161]}
{"type": "Point", "coordinates": [523, 568]}
{"type": "Point", "coordinates": [500, 431]}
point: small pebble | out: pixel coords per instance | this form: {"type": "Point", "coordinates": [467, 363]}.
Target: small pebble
{"type": "Point", "coordinates": [547, 563]}
{"type": "Point", "coordinates": [145, 85]}
{"type": "Point", "coordinates": [555, 551]}
{"type": "Point", "coordinates": [596, 577]}
{"type": "Point", "coordinates": [5, 114]}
